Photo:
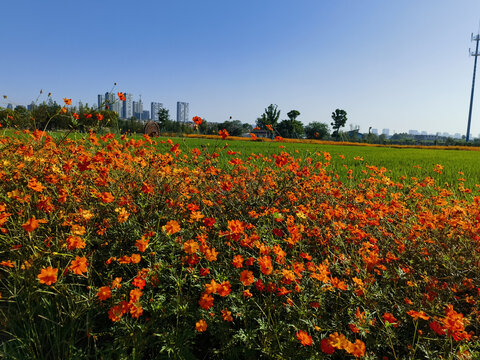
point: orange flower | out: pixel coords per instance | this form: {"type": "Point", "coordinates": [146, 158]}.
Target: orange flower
{"type": "Point", "coordinates": [237, 261]}
{"type": "Point", "coordinates": [197, 120]}
{"type": "Point", "coordinates": [171, 227]}
{"type": "Point", "coordinates": [32, 224]}
{"type": "Point", "coordinates": [253, 136]}
{"type": "Point", "coordinates": [357, 349]}
{"type": "Point", "coordinates": [246, 277]}
{"type": "Point", "coordinates": [121, 96]}
{"type": "Point", "coordinates": [201, 325]}
{"type": "Point", "coordinates": [224, 288]}
{"type": "Point", "coordinates": [418, 315]}
{"type": "Point", "coordinates": [99, 117]}
{"type": "Point", "coordinates": [106, 197]}
{"type": "Point", "coordinates": [48, 276]}
{"type": "Point", "coordinates": [35, 185]}
{"type": "Point", "coordinates": [326, 346]}
{"type": "Point", "coordinates": [75, 116]}
{"type": "Point", "coordinates": [269, 127]}
{"type": "Point", "coordinates": [190, 247]}
{"type": "Point", "coordinates": [247, 294]}
{"type": "Point", "coordinates": [142, 244]}
{"type": "Point", "coordinates": [387, 317]}
{"type": "Point", "coordinates": [223, 133]}
{"type": "Point", "coordinates": [227, 315]}
{"type": "Point", "coordinates": [7, 263]}
{"type": "Point", "coordinates": [304, 338]}
{"type": "Point", "coordinates": [266, 266]}
{"type": "Point", "coordinates": [67, 101]}
{"type": "Point", "coordinates": [206, 301]}
{"type": "Point", "coordinates": [104, 293]}
{"type": "Point", "coordinates": [79, 265]}
{"type": "Point", "coordinates": [211, 254]}
{"type": "Point", "coordinates": [75, 242]}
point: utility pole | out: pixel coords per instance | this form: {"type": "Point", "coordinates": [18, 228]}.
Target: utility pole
{"type": "Point", "coordinates": [475, 54]}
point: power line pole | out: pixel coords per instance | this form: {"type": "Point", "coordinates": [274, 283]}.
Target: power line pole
{"type": "Point", "coordinates": [475, 54]}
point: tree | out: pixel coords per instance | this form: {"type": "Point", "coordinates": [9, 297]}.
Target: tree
{"type": "Point", "coordinates": [293, 114]}
{"type": "Point", "coordinates": [317, 130]}
{"type": "Point", "coordinates": [339, 119]}
{"type": "Point", "coordinates": [269, 117]}
{"type": "Point", "coordinates": [290, 129]}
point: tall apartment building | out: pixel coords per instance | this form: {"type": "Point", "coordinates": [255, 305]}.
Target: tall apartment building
{"type": "Point", "coordinates": [138, 109]}
{"type": "Point", "coordinates": [101, 102]}
{"type": "Point", "coordinates": [182, 112]}
{"type": "Point", "coordinates": [154, 109]}
{"type": "Point", "coordinates": [113, 103]}
{"type": "Point", "coordinates": [127, 106]}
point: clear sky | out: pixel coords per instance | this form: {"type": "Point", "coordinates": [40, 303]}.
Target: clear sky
{"type": "Point", "coordinates": [390, 64]}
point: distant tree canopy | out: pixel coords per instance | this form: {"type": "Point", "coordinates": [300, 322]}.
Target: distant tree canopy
{"type": "Point", "coordinates": [317, 130]}
{"type": "Point", "coordinates": [339, 118]}
{"type": "Point", "coordinates": [269, 117]}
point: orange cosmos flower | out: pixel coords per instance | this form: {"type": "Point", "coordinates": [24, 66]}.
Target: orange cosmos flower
{"type": "Point", "coordinates": [191, 247]}
{"type": "Point", "coordinates": [75, 116]}
{"type": "Point", "coordinates": [121, 96]}
{"type": "Point", "coordinates": [32, 224]}
{"type": "Point", "coordinates": [246, 277]}
{"type": "Point", "coordinates": [75, 242]}
{"type": "Point", "coordinates": [387, 317]}
{"type": "Point", "coordinates": [197, 120]}
{"type": "Point", "coordinates": [79, 265]}
{"type": "Point", "coordinates": [253, 136]}
{"type": "Point", "coordinates": [418, 315]}
{"type": "Point", "coordinates": [67, 101]}
{"type": "Point", "coordinates": [265, 263]}
{"type": "Point", "coordinates": [237, 261]}
{"type": "Point", "coordinates": [227, 315]}
{"type": "Point", "coordinates": [223, 133]}
{"type": "Point", "coordinates": [99, 117]}
{"type": "Point", "coordinates": [304, 338]}
{"type": "Point", "coordinates": [48, 276]}
{"type": "Point", "coordinates": [201, 325]}
{"type": "Point", "coordinates": [269, 127]}
{"type": "Point", "coordinates": [224, 289]}
{"type": "Point", "coordinates": [171, 227]}
{"type": "Point", "coordinates": [35, 185]}
{"type": "Point", "coordinates": [206, 301]}
{"type": "Point", "coordinates": [7, 263]}
{"type": "Point", "coordinates": [87, 116]}
{"type": "Point", "coordinates": [106, 197]}
{"type": "Point", "coordinates": [104, 293]}
{"type": "Point", "coordinates": [326, 346]}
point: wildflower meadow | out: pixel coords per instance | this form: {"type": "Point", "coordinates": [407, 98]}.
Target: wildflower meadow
{"type": "Point", "coordinates": [124, 247]}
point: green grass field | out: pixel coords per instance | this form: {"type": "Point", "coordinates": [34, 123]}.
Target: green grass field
{"type": "Point", "coordinates": [399, 162]}
{"type": "Point", "coordinates": [408, 162]}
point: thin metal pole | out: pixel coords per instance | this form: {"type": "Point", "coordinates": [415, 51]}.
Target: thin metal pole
{"type": "Point", "coordinates": [477, 38]}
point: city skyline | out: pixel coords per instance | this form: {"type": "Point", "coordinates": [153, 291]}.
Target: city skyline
{"type": "Point", "coordinates": [397, 65]}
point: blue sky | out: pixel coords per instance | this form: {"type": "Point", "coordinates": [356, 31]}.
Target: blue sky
{"type": "Point", "coordinates": [390, 64]}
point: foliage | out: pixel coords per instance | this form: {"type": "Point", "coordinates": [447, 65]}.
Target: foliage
{"type": "Point", "coordinates": [339, 118]}
{"type": "Point", "coordinates": [290, 129]}
{"type": "Point", "coordinates": [317, 130]}
{"type": "Point", "coordinates": [131, 248]}
{"type": "Point", "coordinates": [269, 117]}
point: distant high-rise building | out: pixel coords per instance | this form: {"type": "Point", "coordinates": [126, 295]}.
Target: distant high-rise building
{"type": "Point", "coordinates": [138, 109]}
{"type": "Point", "coordinates": [31, 106]}
{"type": "Point", "coordinates": [145, 115]}
{"type": "Point", "coordinates": [113, 103]}
{"type": "Point", "coordinates": [375, 131]}
{"type": "Point", "coordinates": [155, 108]}
{"type": "Point", "coordinates": [127, 106]}
{"type": "Point", "coordinates": [182, 111]}
{"type": "Point", "coordinates": [386, 132]}
{"type": "Point", "coordinates": [10, 106]}
{"type": "Point", "coordinates": [101, 102]}
{"type": "Point", "coordinates": [413, 132]}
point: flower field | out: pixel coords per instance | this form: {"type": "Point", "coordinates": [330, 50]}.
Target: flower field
{"type": "Point", "coordinates": [139, 248]}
